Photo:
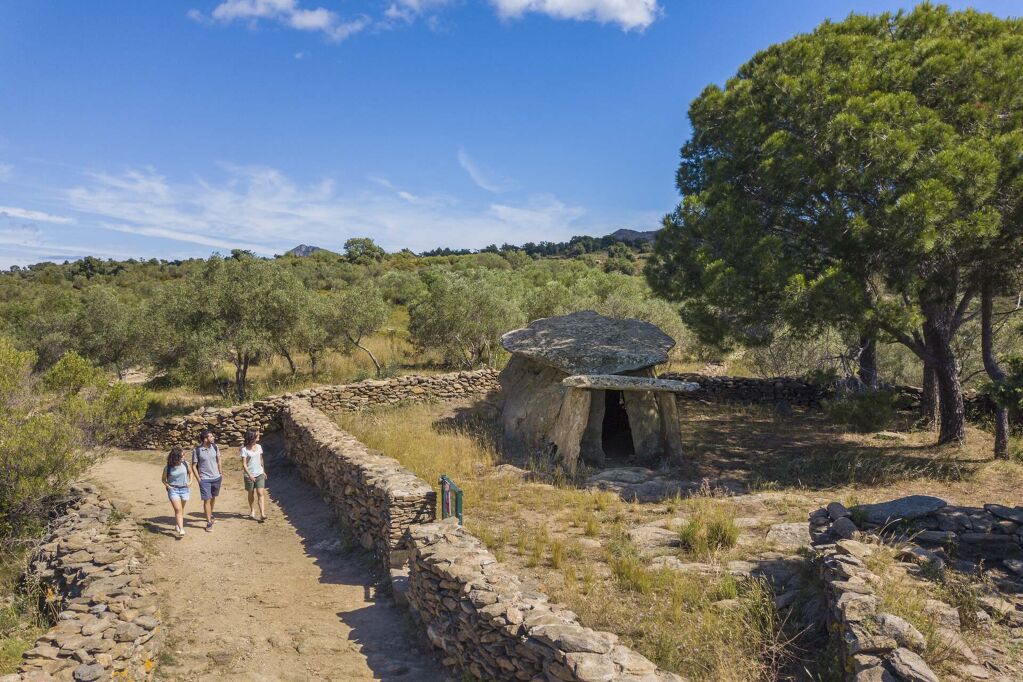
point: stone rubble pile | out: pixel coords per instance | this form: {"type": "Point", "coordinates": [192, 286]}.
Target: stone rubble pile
{"type": "Point", "coordinates": [497, 626]}
{"type": "Point", "coordinates": [377, 498]}
{"type": "Point", "coordinates": [927, 532]}
{"type": "Point", "coordinates": [88, 568]}
{"type": "Point", "coordinates": [230, 423]}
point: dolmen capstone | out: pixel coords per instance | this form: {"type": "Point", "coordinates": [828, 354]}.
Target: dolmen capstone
{"type": "Point", "coordinates": [583, 386]}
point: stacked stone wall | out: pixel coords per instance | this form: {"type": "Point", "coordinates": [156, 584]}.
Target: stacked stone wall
{"type": "Point", "coordinates": [89, 570]}
{"type": "Point", "coordinates": [750, 389]}
{"type": "Point", "coordinates": [926, 532]}
{"type": "Point", "coordinates": [230, 423]}
{"type": "Point", "coordinates": [376, 497]}
{"type": "Point", "coordinates": [497, 626]}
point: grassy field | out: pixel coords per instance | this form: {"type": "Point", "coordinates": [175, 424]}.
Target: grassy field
{"type": "Point", "coordinates": [576, 542]}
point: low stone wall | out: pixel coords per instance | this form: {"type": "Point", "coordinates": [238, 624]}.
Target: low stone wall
{"type": "Point", "coordinates": [107, 620]}
{"type": "Point", "coordinates": [376, 497]}
{"type": "Point", "coordinates": [750, 389]}
{"type": "Point", "coordinates": [926, 532]}
{"type": "Point", "coordinates": [230, 423]}
{"type": "Point", "coordinates": [494, 625]}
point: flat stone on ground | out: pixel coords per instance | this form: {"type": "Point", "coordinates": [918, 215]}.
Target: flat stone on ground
{"type": "Point", "coordinates": [789, 535]}
{"type": "Point", "coordinates": [909, 507]}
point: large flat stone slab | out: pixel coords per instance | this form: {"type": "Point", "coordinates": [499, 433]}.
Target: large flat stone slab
{"type": "Point", "coordinates": [586, 342]}
{"type": "Point", "coordinates": [904, 508]}
{"type": "Point", "coordinates": [617, 382]}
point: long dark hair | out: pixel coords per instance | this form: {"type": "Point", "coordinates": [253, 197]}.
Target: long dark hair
{"type": "Point", "coordinates": [250, 437]}
{"type": "Point", "coordinates": [174, 458]}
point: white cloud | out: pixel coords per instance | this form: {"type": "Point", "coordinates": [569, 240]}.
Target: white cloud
{"type": "Point", "coordinates": [261, 209]}
{"type": "Point", "coordinates": [629, 14]}
{"type": "Point", "coordinates": [542, 214]}
{"type": "Point", "coordinates": [407, 10]}
{"type": "Point", "coordinates": [287, 13]}
{"type": "Point", "coordinates": [35, 216]}
{"type": "Point", "coordinates": [483, 179]}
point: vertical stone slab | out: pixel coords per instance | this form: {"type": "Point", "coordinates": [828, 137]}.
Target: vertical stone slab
{"type": "Point", "coordinates": [670, 429]}
{"type": "Point", "coordinates": [571, 424]}
{"type": "Point", "coordinates": [592, 447]}
{"type": "Point", "coordinates": [645, 422]}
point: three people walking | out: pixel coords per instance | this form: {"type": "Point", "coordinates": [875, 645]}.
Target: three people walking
{"type": "Point", "coordinates": [206, 467]}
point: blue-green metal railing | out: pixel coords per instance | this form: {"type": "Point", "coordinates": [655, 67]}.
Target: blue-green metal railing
{"type": "Point", "coordinates": [450, 499]}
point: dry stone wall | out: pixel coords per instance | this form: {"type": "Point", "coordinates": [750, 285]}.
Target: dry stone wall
{"type": "Point", "coordinates": [376, 497]}
{"type": "Point", "coordinates": [497, 626]}
{"type": "Point", "coordinates": [230, 423]}
{"type": "Point", "coordinates": [89, 568]}
{"type": "Point", "coordinates": [749, 389]}
{"type": "Point", "coordinates": [486, 620]}
{"type": "Point", "coordinates": [927, 534]}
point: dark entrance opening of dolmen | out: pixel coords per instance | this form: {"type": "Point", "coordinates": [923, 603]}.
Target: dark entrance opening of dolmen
{"type": "Point", "coordinates": [615, 432]}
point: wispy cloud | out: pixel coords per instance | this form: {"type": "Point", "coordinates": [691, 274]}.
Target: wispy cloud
{"type": "Point", "coordinates": [628, 14]}
{"type": "Point", "coordinates": [287, 13]}
{"type": "Point", "coordinates": [483, 179]}
{"type": "Point", "coordinates": [261, 209]}
{"type": "Point", "coordinates": [30, 215]}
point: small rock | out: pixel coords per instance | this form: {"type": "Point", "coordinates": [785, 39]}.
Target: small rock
{"type": "Point", "coordinates": [911, 667]}
{"type": "Point", "coordinates": [844, 528]}
{"type": "Point", "coordinates": [901, 631]}
{"type": "Point", "coordinates": [837, 510]}
{"type": "Point", "coordinates": [789, 535]}
{"type": "Point", "coordinates": [89, 672]}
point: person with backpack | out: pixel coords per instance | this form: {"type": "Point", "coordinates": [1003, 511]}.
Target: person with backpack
{"type": "Point", "coordinates": [206, 468]}
{"type": "Point", "coordinates": [177, 479]}
{"type": "Point", "coordinates": [255, 475]}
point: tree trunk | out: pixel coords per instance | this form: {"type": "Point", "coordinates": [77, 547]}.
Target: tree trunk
{"type": "Point", "coordinates": [929, 402]}
{"type": "Point", "coordinates": [868, 361]}
{"type": "Point", "coordinates": [994, 370]}
{"type": "Point", "coordinates": [945, 364]}
{"type": "Point", "coordinates": [291, 361]}
{"type": "Point", "coordinates": [241, 370]}
{"type": "Point", "coordinates": [367, 351]}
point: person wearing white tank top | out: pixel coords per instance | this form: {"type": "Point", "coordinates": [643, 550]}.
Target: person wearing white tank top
{"type": "Point", "coordinates": [255, 475]}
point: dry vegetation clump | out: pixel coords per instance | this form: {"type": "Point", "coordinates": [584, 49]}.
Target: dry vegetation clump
{"type": "Point", "coordinates": [710, 527]}
{"type": "Point", "coordinates": [21, 621]}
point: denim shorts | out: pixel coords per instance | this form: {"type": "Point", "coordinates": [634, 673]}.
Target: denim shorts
{"type": "Point", "coordinates": [210, 489]}
{"type": "Point", "coordinates": [178, 492]}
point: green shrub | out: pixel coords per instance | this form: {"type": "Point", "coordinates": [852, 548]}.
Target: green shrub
{"type": "Point", "coordinates": [51, 429]}
{"type": "Point", "coordinates": [864, 412]}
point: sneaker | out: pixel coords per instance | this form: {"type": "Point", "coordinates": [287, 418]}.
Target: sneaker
{"type": "Point", "coordinates": [177, 529]}
{"type": "Point", "coordinates": [209, 527]}
{"type": "Point", "coordinates": [181, 532]}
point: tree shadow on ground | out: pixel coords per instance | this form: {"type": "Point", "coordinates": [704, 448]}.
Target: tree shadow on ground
{"type": "Point", "coordinates": [392, 648]}
{"type": "Point", "coordinates": [763, 448]}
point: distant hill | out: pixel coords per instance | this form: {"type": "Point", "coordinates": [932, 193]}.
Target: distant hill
{"type": "Point", "coordinates": [633, 236]}
{"type": "Point", "coordinates": [303, 250]}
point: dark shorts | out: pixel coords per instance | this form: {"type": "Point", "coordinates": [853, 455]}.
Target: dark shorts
{"type": "Point", "coordinates": [210, 489]}
{"type": "Point", "coordinates": [260, 482]}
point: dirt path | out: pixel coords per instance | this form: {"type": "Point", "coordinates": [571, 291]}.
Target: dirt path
{"type": "Point", "coordinates": [283, 600]}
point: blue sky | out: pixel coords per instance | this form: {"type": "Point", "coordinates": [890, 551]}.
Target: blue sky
{"type": "Point", "coordinates": [175, 128]}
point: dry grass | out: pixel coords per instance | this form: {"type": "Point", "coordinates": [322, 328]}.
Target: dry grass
{"type": "Point", "coordinates": [677, 620]}
{"type": "Point", "coordinates": [709, 528]}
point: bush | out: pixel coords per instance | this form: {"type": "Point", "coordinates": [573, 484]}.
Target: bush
{"type": "Point", "coordinates": [864, 412]}
{"type": "Point", "coordinates": [50, 430]}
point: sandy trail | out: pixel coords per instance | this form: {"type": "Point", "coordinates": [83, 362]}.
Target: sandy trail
{"type": "Point", "coordinates": [281, 600]}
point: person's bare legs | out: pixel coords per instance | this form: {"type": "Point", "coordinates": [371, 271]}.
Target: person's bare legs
{"type": "Point", "coordinates": [261, 496]}
{"type": "Point", "coordinates": [179, 513]}
{"type": "Point", "coordinates": [252, 503]}
{"type": "Point", "coordinates": [207, 508]}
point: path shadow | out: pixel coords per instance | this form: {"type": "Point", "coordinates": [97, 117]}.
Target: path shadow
{"type": "Point", "coordinates": [394, 651]}
{"type": "Point", "coordinates": [160, 525]}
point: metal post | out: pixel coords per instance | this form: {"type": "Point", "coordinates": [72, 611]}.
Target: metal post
{"type": "Point", "coordinates": [447, 487]}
